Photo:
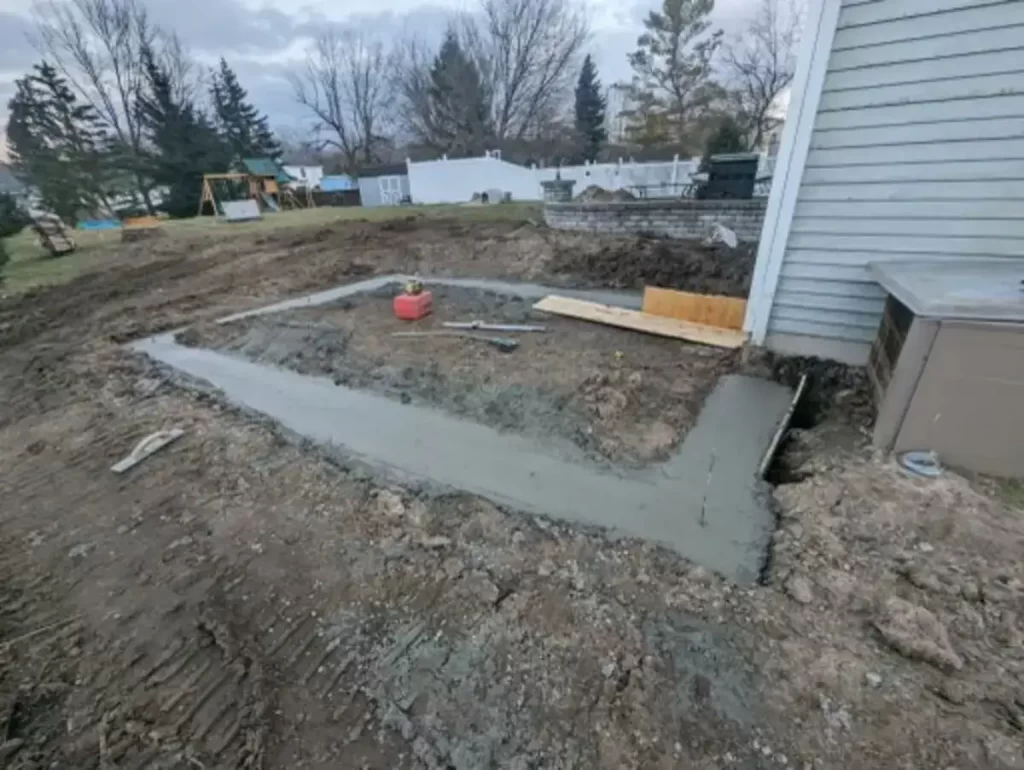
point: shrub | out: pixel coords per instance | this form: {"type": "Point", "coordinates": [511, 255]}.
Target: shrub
{"type": "Point", "coordinates": [13, 218]}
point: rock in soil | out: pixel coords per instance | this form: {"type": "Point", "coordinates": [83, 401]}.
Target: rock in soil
{"type": "Point", "coordinates": [799, 589]}
{"type": "Point", "coordinates": [916, 633]}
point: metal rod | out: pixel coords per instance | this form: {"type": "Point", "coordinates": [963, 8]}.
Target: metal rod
{"type": "Point", "coordinates": [488, 327]}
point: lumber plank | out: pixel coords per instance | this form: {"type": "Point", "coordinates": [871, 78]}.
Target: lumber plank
{"type": "Point", "coordinates": [706, 309]}
{"type": "Point", "coordinates": [641, 322]}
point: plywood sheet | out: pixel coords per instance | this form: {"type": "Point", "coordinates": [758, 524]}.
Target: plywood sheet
{"type": "Point", "coordinates": [241, 211]}
{"type": "Point", "coordinates": [706, 309]}
{"type": "Point", "coordinates": [641, 322]}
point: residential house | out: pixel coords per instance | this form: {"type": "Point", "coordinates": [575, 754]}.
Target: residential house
{"type": "Point", "coordinates": [305, 176]}
{"type": "Point", "coordinates": [904, 141]}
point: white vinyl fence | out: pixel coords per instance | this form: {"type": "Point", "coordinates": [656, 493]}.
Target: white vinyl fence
{"type": "Point", "coordinates": [457, 181]}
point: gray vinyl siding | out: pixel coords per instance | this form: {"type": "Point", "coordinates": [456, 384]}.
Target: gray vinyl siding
{"type": "Point", "coordinates": [917, 153]}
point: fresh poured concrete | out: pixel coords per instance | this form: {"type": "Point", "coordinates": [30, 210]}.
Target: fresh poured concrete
{"type": "Point", "coordinates": [534, 291]}
{"type": "Point", "coordinates": [706, 502]}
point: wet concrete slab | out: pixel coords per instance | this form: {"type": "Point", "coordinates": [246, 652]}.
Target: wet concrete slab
{"type": "Point", "coordinates": [706, 501]}
{"type": "Point", "coordinates": [533, 291]}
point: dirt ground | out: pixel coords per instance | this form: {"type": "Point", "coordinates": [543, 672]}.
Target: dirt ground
{"type": "Point", "coordinates": [241, 601]}
{"type": "Point", "coordinates": [614, 394]}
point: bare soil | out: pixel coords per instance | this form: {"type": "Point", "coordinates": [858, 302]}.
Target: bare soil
{"type": "Point", "coordinates": [617, 395]}
{"type": "Point", "coordinates": [240, 601]}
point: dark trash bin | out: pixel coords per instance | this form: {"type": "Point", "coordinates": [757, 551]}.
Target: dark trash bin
{"type": "Point", "coordinates": [729, 176]}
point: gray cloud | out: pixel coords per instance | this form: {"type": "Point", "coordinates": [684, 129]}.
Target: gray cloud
{"type": "Point", "coordinates": [225, 26]}
{"type": "Point", "coordinates": [16, 52]}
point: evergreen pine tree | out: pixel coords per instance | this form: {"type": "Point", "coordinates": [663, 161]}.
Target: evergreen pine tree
{"type": "Point", "coordinates": [590, 109]}
{"type": "Point", "coordinates": [727, 137]}
{"type": "Point", "coordinates": [185, 145]}
{"type": "Point", "coordinates": [243, 129]}
{"type": "Point", "coordinates": [459, 119]}
{"type": "Point", "coordinates": [57, 145]}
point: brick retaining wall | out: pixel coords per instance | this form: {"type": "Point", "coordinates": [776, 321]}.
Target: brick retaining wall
{"type": "Point", "coordinates": [667, 218]}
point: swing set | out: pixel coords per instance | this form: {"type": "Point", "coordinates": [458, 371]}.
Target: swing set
{"type": "Point", "coordinates": [260, 180]}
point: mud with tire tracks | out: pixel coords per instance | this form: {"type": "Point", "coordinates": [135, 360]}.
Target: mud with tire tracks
{"type": "Point", "coordinates": [242, 601]}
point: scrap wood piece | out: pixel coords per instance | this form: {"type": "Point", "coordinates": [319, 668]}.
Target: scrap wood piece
{"type": "Point", "coordinates": [707, 309]}
{"type": "Point", "coordinates": [641, 322]}
{"type": "Point", "coordinates": [154, 442]}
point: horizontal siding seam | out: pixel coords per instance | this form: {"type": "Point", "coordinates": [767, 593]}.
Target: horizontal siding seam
{"type": "Point", "coordinates": [897, 217]}
{"type": "Point", "coordinates": [901, 124]}
{"type": "Point", "coordinates": [999, 158]}
{"type": "Point", "coordinates": [879, 145]}
{"type": "Point", "coordinates": [941, 12]}
{"type": "Point", "coordinates": [1015, 71]}
{"type": "Point", "coordinates": [920, 39]}
{"type": "Point", "coordinates": [814, 305]}
{"type": "Point", "coordinates": [896, 63]}
{"type": "Point", "coordinates": [822, 261]}
{"type": "Point", "coordinates": [1011, 178]}
{"type": "Point", "coordinates": [818, 330]}
{"type": "Point", "coordinates": [946, 100]}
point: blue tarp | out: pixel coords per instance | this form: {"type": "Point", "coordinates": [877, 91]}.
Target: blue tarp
{"type": "Point", "coordinates": [338, 183]}
{"type": "Point", "coordinates": [98, 224]}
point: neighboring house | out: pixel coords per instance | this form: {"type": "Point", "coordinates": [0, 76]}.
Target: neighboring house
{"type": "Point", "coordinates": [305, 176]}
{"type": "Point", "coordinates": [905, 140]}
{"type": "Point", "coordinates": [10, 185]}
{"type": "Point", "coordinates": [386, 185]}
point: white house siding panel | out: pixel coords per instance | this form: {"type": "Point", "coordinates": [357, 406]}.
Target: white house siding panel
{"type": "Point", "coordinates": [917, 153]}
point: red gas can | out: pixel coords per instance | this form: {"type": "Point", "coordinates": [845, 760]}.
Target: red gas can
{"type": "Point", "coordinates": [412, 307]}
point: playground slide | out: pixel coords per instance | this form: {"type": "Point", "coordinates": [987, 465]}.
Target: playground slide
{"type": "Point", "coordinates": [269, 202]}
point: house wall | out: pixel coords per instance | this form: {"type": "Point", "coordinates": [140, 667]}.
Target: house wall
{"type": "Point", "coordinates": [309, 176]}
{"type": "Point", "coordinates": [914, 150]}
{"type": "Point", "coordinates": [668, 218]}
{"type": "Point", "coordinates": [369, 190]}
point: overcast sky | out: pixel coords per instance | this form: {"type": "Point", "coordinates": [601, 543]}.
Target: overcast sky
{"type": "Point", "coordinates": [260, 40]}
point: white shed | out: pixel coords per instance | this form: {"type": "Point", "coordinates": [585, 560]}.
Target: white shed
{"type": "Point", "coordinates": [905, 140]}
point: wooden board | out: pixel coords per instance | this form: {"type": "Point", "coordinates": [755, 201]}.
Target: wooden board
{"type": "Point", "coordinates": [641, 322]}
{"type": "Point", "coordinates": [706, 309]}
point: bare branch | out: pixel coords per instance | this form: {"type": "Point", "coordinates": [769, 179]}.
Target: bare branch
{"type": "Point", "coordinates": [97, 45]}
{"type": "Point", "coordinates": [528, 52]}
{"type": "Point", "coordinates": [346, 83]}
{"type": "Point", "coordinates": [759, 66]}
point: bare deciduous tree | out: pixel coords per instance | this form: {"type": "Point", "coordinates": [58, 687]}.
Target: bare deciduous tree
{"type": "Point", "coordinates": [187, 78]}
{"type": "Point", "coordinates": [97, 45]}
{"type": "Point", "coordinates": [527, 52]}
{"type": "Point", "coordinates": [346, 83]}
{"type": "Point", "coordinates": [759, 66]}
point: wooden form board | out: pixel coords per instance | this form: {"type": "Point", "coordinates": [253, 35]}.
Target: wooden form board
{"type": "Point", "coordinates": [641, 322]}
{"type": "Point", "coordinates": [706, 309]}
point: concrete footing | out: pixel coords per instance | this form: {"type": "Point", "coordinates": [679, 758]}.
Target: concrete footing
{"type": "Point", "coordinates": [706, 502]}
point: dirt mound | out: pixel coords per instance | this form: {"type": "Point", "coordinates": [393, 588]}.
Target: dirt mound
{"type": "Point", "coordinates": [597, 194]}
{"type": "Point", "coordinates": [632, 263]}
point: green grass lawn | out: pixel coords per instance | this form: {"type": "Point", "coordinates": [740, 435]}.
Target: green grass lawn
{"type": "Point", "coordinates": [30, 264]}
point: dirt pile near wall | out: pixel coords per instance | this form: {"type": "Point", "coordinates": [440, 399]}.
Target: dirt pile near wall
{"type": "Point", "coordinates": [632, 263]}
